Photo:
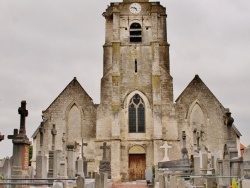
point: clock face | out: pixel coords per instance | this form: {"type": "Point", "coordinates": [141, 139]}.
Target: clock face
{"type": "Point", "coordinates": [135, 8]}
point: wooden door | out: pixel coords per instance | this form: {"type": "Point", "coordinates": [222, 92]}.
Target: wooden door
{"type": "Point", "coordinates": [137, 166]}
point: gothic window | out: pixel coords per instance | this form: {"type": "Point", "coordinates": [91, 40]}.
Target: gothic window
{"type": "Point", "coordinates": [136, 115]}
{"type": "Point", "coordinates": [135, 32]}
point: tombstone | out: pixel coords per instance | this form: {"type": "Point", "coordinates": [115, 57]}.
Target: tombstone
{"type": "Point", "coordinates": [83, 159]}
{"type": "Point", "coordinates": [97, 180]}
{"type": "Point", "coordinates": [51, 164]}
{"type": "Point", "coordinates": [79, 167]}
{"type": "Point", "coordinates": [41, 165]}
{"type": "Point", "coordinates": [63, 163]}
{"type": "Point", "coordinates": [204, 160]}
{"type": "Point", "coordinates": [184, 150]}
{"type": "Point", "coordinates": [104, 166]}
{"type": "Point", "coordinates": [1, 137]}
{"type": "Point", "coordinates": [165, 147]}
{"type": "Point", "coordinates": [21, 145]}
{"type": "Point", "coordinates": [149, 175]}
{"type": "Point", "coordinates": [58, 184]}
{"type": "Point", "coordinates": [103, 180]}
{"type": "Point", "coordinates": [181, 183]}
{"type": "Point", "coordinates": [5, 168]}
{"type": "Point", "coordinates": [172, 182]}
{"type": "Point", "coordinates": [161, 181]}
{"type": "Point", "coordinates": [80, 182]}
{"type": "Point", "coordinates": [71, 160]}
{"type": "Point", "coordinates": [156, 173]}
{"type": "Point", "coordinates": [246, 163]}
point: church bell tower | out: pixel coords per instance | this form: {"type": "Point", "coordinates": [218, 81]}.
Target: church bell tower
{"type": "Point", "coordinates": [136, 87]}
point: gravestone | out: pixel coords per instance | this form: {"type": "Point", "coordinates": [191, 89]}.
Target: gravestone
{"type": "Point", "coordinates": [58, 184]}
{"type": "Point", "coordinates": [204, 160]}
{"type": "Point", "coordinates": [21, 145]}
{"type": "Point", "coordinates": [5, 167]}
{"type": "Point", "coordinates": [52, 155]}
{"type": "Point", "coordinates": [51, 164]}
{"type": "Point", "coordinates": [85, 163]}
{"type": "Point", "coordinates": [184, 150]}
{"type": "Point", "coordinates": [80, 182]}
{"type": "Point", "coordinates": [97, 180]}
{"type": "Point", "coordinates": [41, 165]}
{"type": "Point", "coordinates": [172, 182]}
{"type": "Point", "coordinates": [104, 166]}
{"type": "Point", "coordinates": [161, 181]}
{"type": "Point", "coordinates": [63, 163]}
{"type": "Point", "coordinates": [181, 183]}
{"type": "Point", "coordinates": [149, 175]}
{"type": "Point", "coordinates": [165, 147]}
{"type": "Point", "coordinates": [71, 160]}
{"type": "Point", "coordinates": [246, 163]}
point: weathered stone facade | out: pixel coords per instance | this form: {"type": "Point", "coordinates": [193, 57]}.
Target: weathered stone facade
{"type": "Point", "coordinates": [136, 68]}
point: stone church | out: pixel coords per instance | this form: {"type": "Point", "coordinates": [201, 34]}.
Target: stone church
{"type": "Point", "coordinates": [137, 113]}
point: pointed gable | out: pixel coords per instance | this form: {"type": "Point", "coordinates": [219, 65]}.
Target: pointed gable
{"type": "Point", "coordinates": [74, 86]}
{"type": "Point", "coordinates": [196, 88]}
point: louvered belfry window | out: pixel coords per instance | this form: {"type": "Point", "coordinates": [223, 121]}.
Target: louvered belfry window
{"type": "Point", "coordinates": [136, 115]}
{"type": "Point", "coordinates": [135, 33]}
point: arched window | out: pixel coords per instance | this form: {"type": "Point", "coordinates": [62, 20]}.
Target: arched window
{"type": "Point", "coordinates": [136, 115]}
{"type": "Point", "coordinates": [135, 32]}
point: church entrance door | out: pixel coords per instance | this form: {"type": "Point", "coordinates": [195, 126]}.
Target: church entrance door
{"type": "Point", "coordinates": [137, 166]}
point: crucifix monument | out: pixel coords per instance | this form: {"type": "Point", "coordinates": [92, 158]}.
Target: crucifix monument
{"type": "Point", "coordinates": [166, 147]}
{"type": "Point", "coordinates": [104, 166]}
{"type": "Point", "coordinates": [21, 145]}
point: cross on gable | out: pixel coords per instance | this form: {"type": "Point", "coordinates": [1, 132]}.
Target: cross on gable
{"type": "Point", "coordinates": [23, 114]}
{"type": "Point", "coordinates": [104, 148]}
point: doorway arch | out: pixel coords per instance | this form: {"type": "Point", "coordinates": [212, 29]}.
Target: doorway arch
{"type": "Point", "coordinates": [137, 163]}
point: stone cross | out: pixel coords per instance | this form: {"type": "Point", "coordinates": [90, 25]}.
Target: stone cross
{"type": "Point", "coordinates": [1, 137]}
{"type": "Point", "coordinates": [53, 133]}
{"type": "Point", "coordinates": [14, 136]}
{"type": "Point", "coordinates": [23, 114]}
{"type": "Point", "coordinates": [104, 148]}
{"type": "Point", "coordinates": [41, 130]}
{"type": "Point", "coordinates": [166, 147]}
{"type": "Point", "coordinates": [184, 150]}
{"type": "Point", "coordinates": [83, 144]}
{"type": "Point", "coordinates": [63, 143]}
{"type": "Point", "coordinates": [197, 136]}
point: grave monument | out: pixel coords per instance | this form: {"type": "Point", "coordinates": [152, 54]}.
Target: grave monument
{"type": "Point", "coordinates": [21, 143]}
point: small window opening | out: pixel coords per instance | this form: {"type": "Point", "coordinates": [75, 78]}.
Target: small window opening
{"type": "Point", "coordinates": [135, 66]}
{"type": "Point", "coordinates": [135, 32]}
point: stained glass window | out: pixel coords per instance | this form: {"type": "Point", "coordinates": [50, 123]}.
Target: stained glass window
{"type": "Point", "coordinates": [136, 115]}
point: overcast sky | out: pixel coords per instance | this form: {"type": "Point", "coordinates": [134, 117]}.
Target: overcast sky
{"type": "Point", "coordinates": [45, 43]}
